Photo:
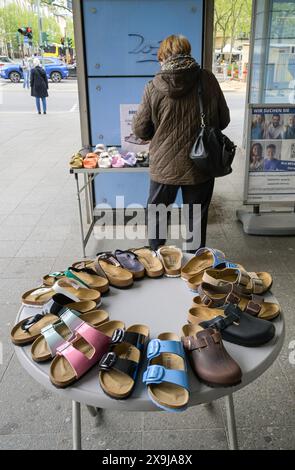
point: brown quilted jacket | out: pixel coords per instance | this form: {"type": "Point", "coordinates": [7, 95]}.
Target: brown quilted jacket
{"type": "Point", "coordinates": [169, 116]}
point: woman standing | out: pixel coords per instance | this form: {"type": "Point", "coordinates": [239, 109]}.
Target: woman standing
{"type": "Point", "coordinates": [169, 116]}
{"type": "Point", "coordinates": [39, 85]}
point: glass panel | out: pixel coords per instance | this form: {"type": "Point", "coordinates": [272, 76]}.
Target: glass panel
{"type": "Point", "coordinates": [273, 58]}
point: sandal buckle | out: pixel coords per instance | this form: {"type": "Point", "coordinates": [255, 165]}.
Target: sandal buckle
{"type": "Point", "coordinates": [117, 336]}
{"type": "Point", "coordinates": [253, 308]}
{"type": "Point", "coordinates": [232, 298]}
{"type": "Point", "coordinates": [107, 361]}
{"type": "Point", "coordinates": [153, 348]}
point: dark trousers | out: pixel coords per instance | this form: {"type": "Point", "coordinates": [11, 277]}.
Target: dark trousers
{"type": "Point", "coordinates": [191, 194]}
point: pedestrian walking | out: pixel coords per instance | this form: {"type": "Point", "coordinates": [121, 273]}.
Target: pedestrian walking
{"type": "Point", "coordinates": [169, 116]}
{"type": "Point", "coordinates": [39, 85]}
{"type": "Point", "coordinates": [26, 67]}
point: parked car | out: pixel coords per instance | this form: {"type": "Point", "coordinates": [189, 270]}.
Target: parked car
{"type": "Point", "coordinates": [55, 70]}
{"type": "Point", "coordinates": [72, 69]}
{"type": "Point", "coordinates": [4, 60]}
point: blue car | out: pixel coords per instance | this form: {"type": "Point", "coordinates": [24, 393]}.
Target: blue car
{"type": "Point", "coordinates": [55, 70]}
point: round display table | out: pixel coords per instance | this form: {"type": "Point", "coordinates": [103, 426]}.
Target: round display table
{"type": "Point", "coordinates": [162, 304]}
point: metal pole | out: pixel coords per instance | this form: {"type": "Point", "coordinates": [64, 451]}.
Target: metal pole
{"type": "Point", "coordinates": [231, 423]}
{"type": "Point", "coordinates": [76, 418]}
{"type": "Point", "coordinates": [39, 26]}
{"type": "Point", "coordinates": [80, 215]}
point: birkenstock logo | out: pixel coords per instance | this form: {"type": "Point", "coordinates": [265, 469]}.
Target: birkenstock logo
{"type": "Point", "coordinates": [292, 352]}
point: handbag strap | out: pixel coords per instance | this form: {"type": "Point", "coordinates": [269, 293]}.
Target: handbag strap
{"type": "Point", "coordinates": [200, 99]}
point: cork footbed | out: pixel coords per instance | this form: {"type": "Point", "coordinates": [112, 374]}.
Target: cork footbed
{"type": "Point", "coordinates": [191, 330]}
{"type": "Point", "coordinates": [21, 337]}
{"type": "Point", "coordinates": [40, 351]}
{"type": "Point", "coordinates": [93, 281]}
{"type": "Point", "coordinates": [83, 307]}
{"type": "Point", "coordinates": [197, 265]}
{"type": "Point", "coordinates": [50, 280]}
{"type": "Point", "coordinates": [36, 297]}
{"type": "Point", "coordinates": [269, 311]}
{"type": "Point", "coordinates": [152, 264]}
{"type": "Point", "coordinates": [117, 276]}
{"type": "Point", "coordinates": [61, 372]}
{"type": "Point", "coordinates": [82, 293]}
{"type": "Point", "coordinates": [194, 281]}
{"type": "Point", "coordinates": [167, 394]}
{"type": "Point", "coordinates": [114, 383]}
{"type": "Point", "coordinates": [171, 260]}
{"type": "Point", "coordinates": [230, 275]}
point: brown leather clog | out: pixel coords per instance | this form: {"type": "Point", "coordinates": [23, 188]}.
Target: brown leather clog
{"type": "Point", "coordinates": [208, 357]}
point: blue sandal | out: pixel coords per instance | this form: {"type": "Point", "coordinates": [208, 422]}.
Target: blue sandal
{"type": "Point", "coordinates": [166, 375]}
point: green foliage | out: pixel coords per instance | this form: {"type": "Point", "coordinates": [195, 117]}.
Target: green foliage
{"type": "Point", "coordinates": [232, 18]}
{"type": "Point", "coordinates": [14, 16]}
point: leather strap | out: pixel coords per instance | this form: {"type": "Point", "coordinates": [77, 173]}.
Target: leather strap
{"type": "Point", "coordinates": [156, 374]}
{"type": "Point", "coordinates": [111, 361]}
{"type": "Point", "coordinates": [157, 347]}
{"type": "Point", "coordinates": [191, 343]}
{"type": "Point", "coordinates": [232, 315]}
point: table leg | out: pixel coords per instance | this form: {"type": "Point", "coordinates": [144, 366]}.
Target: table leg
{"type": "Point", "coordinates": [80, 215]}
{"type": "Point", "coordinates": [231, 423]}
{"type": "Point", "coordinates": [76, 419]}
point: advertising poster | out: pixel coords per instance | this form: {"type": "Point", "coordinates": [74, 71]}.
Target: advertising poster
{"type": "Point", "coordinates": [271, 155]}
{"type": "Point", "coordinates": [129, 142]}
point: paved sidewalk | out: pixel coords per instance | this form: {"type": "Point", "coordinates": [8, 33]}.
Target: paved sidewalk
{"type": "Point", "coordinates": [39, 233]}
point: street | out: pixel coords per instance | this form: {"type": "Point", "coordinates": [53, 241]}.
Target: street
{"type": "Point", "coordinates": [63, 97]}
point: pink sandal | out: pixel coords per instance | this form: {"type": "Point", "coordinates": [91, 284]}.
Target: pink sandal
{"type": "Point", "coordinates": [74, 358]}
{"type": "Point", "coordinates": [117, 161]}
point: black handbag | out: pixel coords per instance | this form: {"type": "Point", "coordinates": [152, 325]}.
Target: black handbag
{"type": "Point", "coordinates": [213, 152]}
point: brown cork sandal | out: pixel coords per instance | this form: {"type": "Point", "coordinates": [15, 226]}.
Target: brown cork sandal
{"type": "Point", "coordinates": [147, 257]}
{"type": "Point", "coordinates": [44, 347]}
{"type": "Point", "coordinates": [166, 374]}
{"type": "Point", "coordinates": [27, 330]}
{"type": "Point", "coordinates": [119, 367]}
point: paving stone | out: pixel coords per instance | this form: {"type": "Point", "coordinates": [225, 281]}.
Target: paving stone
{"type": "Point", "coordinates": [189, 440]}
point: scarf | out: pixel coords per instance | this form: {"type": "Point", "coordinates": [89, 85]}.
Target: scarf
{"type": "Point", "coordinates": [178, 62]}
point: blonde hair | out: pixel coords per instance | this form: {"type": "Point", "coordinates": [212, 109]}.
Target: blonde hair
{"type": "Point", "coordinates": [36, 62]}
{"type": "Point", "coordinates": [173, 45]}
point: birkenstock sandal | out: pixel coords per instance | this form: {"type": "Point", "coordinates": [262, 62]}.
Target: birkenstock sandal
{"type": "Point", "coordinates": [88, 278]}
{"type": "Point", "coordinates": [208, 357]}
{"type": "Point", "coordinates": [117, 276]}
{"type": "Point", "coordinates": [91, 264]}
{"type": "Point", "coordinates": [54, 335]}
{"type": "Point", "coordinates": [90, 161]}
{"type": "Point", "coordinates": [170, 257]}
{"type": "Point", "coordinates": [38, 296]}
{"type": "Point", "coordinates": [203, 259]}
{"type": "Point", "coordinates": [250, 283]}
{"type": "Point", "coordinates": [50, 279]}
{"type": "Point", "coordinates": [166, 374]}
{"type": "Point", "coordinates": [81, 306]}
{"type": "Point", "coordinates": [129, 260]}
{"type": "Point", "coordinates": [119, 367]}
{"type": "Point", "coordinates": [27, 330]}
{"type": "Point", "coordinates": [234, 325]}
{"type": "Point", "coordinates": [74, 358]}
{"type": "Point", "coordinates": [148, 258]}
{"type": "Point", "coordinates": [220, 296]}
{"type": "Point", "coordinates": [76, 290]}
